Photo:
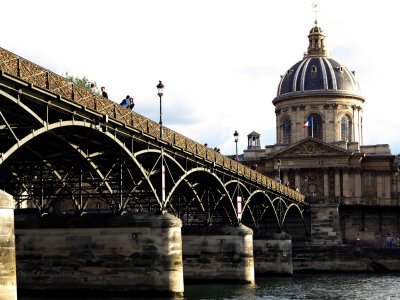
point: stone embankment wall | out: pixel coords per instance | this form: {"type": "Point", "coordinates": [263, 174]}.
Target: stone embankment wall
{"type": "Point", "coordinates": [128, 255]}
{"type": "Point", "coordinates": [8, 280]}
{"type": "Point", "coordinates": [372, 225]}
{"type": "Point", "coordinates": [349, 238]}
{"type": "Point", "coordinates": [317, 259]}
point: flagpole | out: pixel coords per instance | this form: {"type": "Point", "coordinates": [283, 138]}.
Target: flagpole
{"type": "Point", "coordinates": [312, 127]}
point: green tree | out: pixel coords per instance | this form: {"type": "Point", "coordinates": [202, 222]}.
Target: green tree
{"type": "Point", "coordinates": [81, 81]}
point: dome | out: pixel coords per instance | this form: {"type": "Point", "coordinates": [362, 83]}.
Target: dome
{"type": "Point", "coordinates": [317, 73]}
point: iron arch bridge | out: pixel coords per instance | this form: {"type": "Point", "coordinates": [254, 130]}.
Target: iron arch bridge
{"type": "Point", "coordinates": [64, 150]}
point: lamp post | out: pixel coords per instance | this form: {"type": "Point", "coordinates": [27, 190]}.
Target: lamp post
{"type": "Point", "coordinates": [279, 163]}
{"type": "Point", "coordinates": [236, 136]}
{"type": "Point", "coordinates": [238, 198]}
{"type": "Point", "coordinates": [160, 88]}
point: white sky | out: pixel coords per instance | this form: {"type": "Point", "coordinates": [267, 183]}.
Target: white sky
{"type": "Point", "coordinates": [220, 60]}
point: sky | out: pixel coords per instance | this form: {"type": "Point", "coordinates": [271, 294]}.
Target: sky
{"type": "Point", "coordinates": [220, 60]}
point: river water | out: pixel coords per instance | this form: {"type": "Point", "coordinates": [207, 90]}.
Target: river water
{"type": "Point", "coordinates": [317, 286]}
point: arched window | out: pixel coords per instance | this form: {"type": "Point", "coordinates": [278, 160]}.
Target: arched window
{"type": "Point", "coordinates": [345, 132]}
{"type": "Point", "coordinates": [315, 129]}
{"type": "Point", "coordinates": [287, 131]}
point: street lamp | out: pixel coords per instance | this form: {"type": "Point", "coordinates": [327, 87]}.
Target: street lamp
{"type": "Point", "coordinates": [236, 136]}
{"type": "Point", "coordinates": [279, 163]}
{"type": "Point", "coordinates": [160, 88]}
{"type": "Point", "coordinates": [238, 198]}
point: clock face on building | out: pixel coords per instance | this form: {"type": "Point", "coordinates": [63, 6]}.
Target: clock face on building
{"type": "Point", "coordinates": [309, 148]}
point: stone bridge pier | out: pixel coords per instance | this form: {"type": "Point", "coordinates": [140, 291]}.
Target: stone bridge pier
{"type": "Point", "coordinates": [218, 254]}
{"type": "Point", "coordinates": [8, 280]}
{"type": "Point", "coordinates": [129, 255]}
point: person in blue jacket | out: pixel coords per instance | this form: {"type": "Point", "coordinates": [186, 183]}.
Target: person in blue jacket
{"type": "Point", "coordinates": [126, 102]}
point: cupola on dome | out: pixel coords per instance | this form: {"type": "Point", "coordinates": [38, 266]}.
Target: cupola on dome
{"type": "Point", "coordinates": [317, 73]}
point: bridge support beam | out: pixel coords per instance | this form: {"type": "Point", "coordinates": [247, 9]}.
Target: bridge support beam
{"type": "Point", "coordinates": [8, 278]}
{"type": "Point", "coordinates": [128, 255]}
{"type": "Point", "coordinates": [273, 254]}
{"type": "Point", "coordinates": [223, 254]}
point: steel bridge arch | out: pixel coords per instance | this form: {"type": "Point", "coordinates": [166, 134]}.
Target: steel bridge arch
{"type": "Point", "coordinates": [46, 127]}
{"type": "Point", "coordinates": [263, 194]}
{"type": "Point", "coordinates": [205, 170]}
{"type": "Point", "coordinates": [67, 123]}
{"type": "Point", "coordinates": [23, 106]}
{"type": "Point", "coordinates": [182, 178]}
{"type": "Point", "coordinates": [280, 210]}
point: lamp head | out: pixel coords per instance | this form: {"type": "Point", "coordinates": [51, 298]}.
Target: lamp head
{"type": "Point", "coordinates": [236, 136]}
{"type": "Point", "coordinates": [160, 88]}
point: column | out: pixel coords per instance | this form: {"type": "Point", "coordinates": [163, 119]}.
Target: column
{"type": "Point", "coordinates": [297, 179]}
{"type": "Point", "coordinates": [357, 185]}
{"type": "Point", "coordinates": [345, 183]}
{"type": "Point", "coordinates": [387, 187]}
{"type": "Point", "coordinates": [8, 277]}
{"type": "Point", "coordinates": [337, 183]}
{"type": "Point", "coordinates": [379, 188]}
{"type": "Point", "coordinates": [326, 183]}
{"type": "Point", "coordinates": [286, 177]}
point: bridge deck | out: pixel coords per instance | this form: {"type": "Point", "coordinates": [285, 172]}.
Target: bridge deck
{"type": "Point", "coordinates": [42, 78]}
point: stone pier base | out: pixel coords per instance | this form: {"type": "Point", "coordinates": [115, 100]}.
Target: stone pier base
{"type": "Point", "coordinates": [8, 279]}
{"type": "Point", "coordinates": [218, 254]}
{"type": "Point", "coordinates": [128, 255]}
{"type": "Point", "coordinates": [273, 254]}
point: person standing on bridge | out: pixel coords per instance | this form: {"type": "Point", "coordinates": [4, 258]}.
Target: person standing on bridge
{"type": "Point", "coordinates": [103, 92]}
{"type": "Point", "coordinates": [126, 102]}
{"type": "Point", "coordinates": [131, 103]}
{"type": "Point", "coordinates": [93, 88]}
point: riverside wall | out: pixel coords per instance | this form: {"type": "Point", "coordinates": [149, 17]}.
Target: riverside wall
{"type": "Point", "coordinates": [349, 238]}
{"type": "Point", "coordinates": [99, 255]}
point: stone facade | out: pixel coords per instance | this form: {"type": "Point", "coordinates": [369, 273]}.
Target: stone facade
{"type": "Point", "coordinates": [352, 188]}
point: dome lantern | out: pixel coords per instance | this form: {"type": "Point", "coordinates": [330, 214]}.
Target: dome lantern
{"type": "Point", "coordinates": [316, 45]}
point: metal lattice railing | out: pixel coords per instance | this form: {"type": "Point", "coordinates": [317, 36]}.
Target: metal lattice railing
{"type": "Point", "coordinates": [14, 65]}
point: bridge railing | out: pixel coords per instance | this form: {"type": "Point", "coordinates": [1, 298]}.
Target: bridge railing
{"type": "Point", "coordinates": [17, 66]}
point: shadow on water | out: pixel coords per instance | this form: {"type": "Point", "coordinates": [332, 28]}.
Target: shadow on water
{"type": "Point", "coordinates": [315, 286]}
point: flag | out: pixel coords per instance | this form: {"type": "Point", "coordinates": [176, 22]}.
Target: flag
{"type": "Point", "coordinates": [308, 123]}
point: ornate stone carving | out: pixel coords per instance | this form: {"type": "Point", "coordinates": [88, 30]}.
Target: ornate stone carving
{"type": "Point", "coordinates": [310, 148]}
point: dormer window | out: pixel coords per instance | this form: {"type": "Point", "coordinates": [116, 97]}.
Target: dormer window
{"type": "Point", "coordinates": [340, 69]}
{"type": "Point", "coordinates": [314, 69]}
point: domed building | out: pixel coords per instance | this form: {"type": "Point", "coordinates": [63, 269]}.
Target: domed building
{"type": "Point", "coordinates": [319, 142]}
{"type": "Point", "coordinates": [322, 90]}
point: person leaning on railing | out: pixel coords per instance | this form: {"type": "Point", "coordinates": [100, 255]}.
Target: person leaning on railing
{"type": "Point", "coordinates": [126, 102]}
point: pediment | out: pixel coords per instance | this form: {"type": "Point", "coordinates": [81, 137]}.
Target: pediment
{"type": "Point", "coordinates": [311, 147]}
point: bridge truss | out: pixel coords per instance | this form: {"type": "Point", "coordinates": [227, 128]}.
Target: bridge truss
{"type": "Point", "coordinates": [64, 150]}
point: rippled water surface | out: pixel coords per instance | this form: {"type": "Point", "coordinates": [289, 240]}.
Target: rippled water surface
{"type": "Point", "coordinates": [330, 286]}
